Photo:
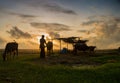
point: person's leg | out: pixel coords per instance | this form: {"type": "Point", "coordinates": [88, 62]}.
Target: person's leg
{"type": "Point", "coordinates": [43, 52]}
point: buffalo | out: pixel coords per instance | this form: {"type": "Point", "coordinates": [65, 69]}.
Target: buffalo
{"type": "Point", "coordinates": [49, 47]}
{"type": "Point", "coordinates": [11, 47]}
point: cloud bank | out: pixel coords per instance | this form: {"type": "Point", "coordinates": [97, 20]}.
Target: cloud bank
{"type": "Point", "coordinates": [54, 34]}
{"type": "Point", "coordinates": [22, 15]}
{"type": "Point", "coordinates": [50, 26]}
{"type": "Point", "coordinates": [52, 6]}
{"type": "Point", "coordinates": [48, 5]}
{"type": "Point", "coordinates": [107, 30]}
{"type": "Point", "coordinates": [17, 33]}
{"type": "Point", "coordinates": [59, 9]}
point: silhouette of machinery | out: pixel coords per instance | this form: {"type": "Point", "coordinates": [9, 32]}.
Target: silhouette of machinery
{"type": "Point", "coordinates": [78, 44]}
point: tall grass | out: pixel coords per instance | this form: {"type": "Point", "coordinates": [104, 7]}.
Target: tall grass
{"type": "Point", "coordinates": [28, 68]}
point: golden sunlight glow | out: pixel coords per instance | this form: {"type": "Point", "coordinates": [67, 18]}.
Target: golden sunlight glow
{"type": "Point", "coordinates": [47, 37]}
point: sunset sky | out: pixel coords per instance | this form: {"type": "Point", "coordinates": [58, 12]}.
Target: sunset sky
{"type": "Point", "coordinates": [26, 20]}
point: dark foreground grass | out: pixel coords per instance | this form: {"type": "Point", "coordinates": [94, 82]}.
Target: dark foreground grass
{"type": "Point", "coordinates": [24, 70]}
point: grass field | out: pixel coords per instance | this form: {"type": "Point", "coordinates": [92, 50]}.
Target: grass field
{"type": "Point", "coordinates": [102, 67]}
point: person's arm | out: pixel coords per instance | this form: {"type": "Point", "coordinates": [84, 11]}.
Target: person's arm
{"type": "Point", "coordinates": [45, 42]}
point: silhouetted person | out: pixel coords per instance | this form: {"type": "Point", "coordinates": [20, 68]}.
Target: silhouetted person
{"type": "Point", "coordinates": [42, 47]}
